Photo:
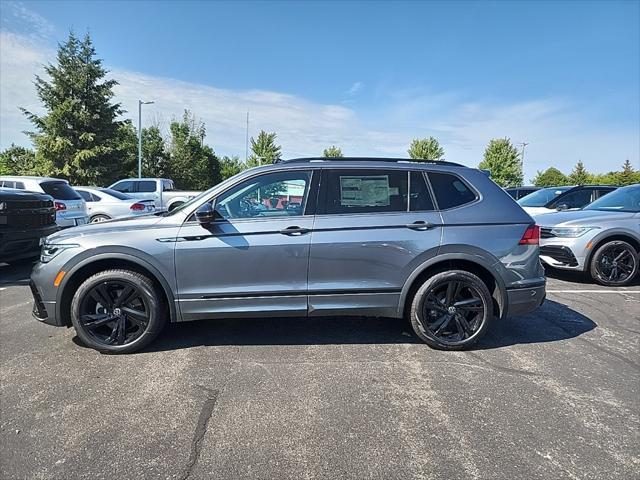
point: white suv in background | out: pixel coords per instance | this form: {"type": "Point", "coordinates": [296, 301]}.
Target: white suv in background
{"type": "Point", "coordinates": [71, 209]}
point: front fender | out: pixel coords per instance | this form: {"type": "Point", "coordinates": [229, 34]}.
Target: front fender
{"type": "Point", "coordinates": [131, 255]}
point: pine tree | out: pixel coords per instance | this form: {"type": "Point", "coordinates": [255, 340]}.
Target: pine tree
{"type": "Point", "coordinates": [629, 175]}
{"type": "Point", "coordinates": [579, 174]}
{"type": "Point", "coordinates": [503, 161]}
{"type": "Point", "coordinates": [332, 152]}
{"type": "Point", "coordinates": [264, 149]}
{"type": "Point", "coordinates": [79, 137]}
{"type": "Point", "coordinates": [425, 149]}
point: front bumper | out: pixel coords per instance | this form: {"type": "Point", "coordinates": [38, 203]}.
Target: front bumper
{"type": "Point", "coordinates": [44, 294]}
{"type": "Point", "coordinates": [521, 301]}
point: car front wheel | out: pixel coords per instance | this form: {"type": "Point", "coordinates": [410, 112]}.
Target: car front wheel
{"type": "Point", "coordinates": [614, 264]}
{"type": "Point", "coordinates": [118, 311]}
{"type": "Point", "coordinates": [451, 310]}
{"type": "Point", "coordinates": [99, 218]}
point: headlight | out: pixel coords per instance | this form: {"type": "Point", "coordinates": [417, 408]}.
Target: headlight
{"type": "Point", "coordinates": [570, 232]}
{"type": "Point", "coordinates": [50, 251]}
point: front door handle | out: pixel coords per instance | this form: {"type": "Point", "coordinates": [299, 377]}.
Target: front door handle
{"type": "Point", "coordinates": [420, 225]}
{"type": "Point", "coordinates": [294, 231]}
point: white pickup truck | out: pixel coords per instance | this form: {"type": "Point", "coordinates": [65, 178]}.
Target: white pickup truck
{"type": "Point", "coordinates": [160, 190]}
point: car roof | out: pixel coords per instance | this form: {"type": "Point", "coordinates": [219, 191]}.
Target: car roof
{"type": "Point", "coordinates": [365, 161]}
{"type": "Point", "coordinates": [139, 179]}
{"type": "Point", "coordinates": [27, 177]}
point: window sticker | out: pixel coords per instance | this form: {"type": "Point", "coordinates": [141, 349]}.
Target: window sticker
{"type": "Point", "coordinates": [364, 191]}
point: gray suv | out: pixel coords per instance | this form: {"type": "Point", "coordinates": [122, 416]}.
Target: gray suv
{"type": "Point", "coordinates": [438, 243]}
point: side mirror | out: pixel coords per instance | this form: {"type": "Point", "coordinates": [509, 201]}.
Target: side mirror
{"type": "Point", "coordinates": [205, 214]}
{"type": "Point", "coordinates": [562, 206]}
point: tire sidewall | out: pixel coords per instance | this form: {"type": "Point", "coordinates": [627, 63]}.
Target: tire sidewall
{"type": "Point", "coordinates": [594, 262]}
{"type": "Point", "coordinates": [152, 298]}
{"type": "Point", "coordinates": [420, 297]}
{"type": "Point", "coordinates": [103, 217]}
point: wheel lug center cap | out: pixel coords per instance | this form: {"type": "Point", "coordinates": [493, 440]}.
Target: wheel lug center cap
{"type": "Point", "coordinates": [451, 310]}
{"type": "Point", "coordinates": [117, 312]}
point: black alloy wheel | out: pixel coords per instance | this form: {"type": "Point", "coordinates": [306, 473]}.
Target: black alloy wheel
{"type": "Point", "coordinates": [614, 264]}
{"type": "Point", "coordinates": [117, 311]}
{"type": "Point", "coordinates": [452, 310]}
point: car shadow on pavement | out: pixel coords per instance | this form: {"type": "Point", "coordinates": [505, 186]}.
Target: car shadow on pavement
{"type": "Point", "coordinates": [16, 274]}
{"type": "Point", "coordinates": [552, 322]}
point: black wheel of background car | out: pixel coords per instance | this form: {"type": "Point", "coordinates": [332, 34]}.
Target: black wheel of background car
{"type": "Point", "coordinates": [117, 311]}
{"type": "Point", "coordinates": [451, 310]}
{"type": "Point", "coordinates": [99, 218]}
{"type": "Point", "coordinates": [614, 264]}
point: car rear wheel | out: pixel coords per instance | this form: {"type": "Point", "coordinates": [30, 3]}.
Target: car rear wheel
{"type": "Point", "coordinates": [99, 218]}
{"type": "Point", "coordinates": [451, 310]}
{"type": "Point", "coordinates": [118, 311]}
{"type": "Point", "coordinates": [614, 264]}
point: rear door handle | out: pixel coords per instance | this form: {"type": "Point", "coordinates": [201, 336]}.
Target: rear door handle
{"type": "Point", "coordinates": [420, 225]}
{"type": "Point", "coordinates": [294, 231]}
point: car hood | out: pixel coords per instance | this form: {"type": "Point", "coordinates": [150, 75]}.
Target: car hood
{"type": "Point", "coordinates": [118, 225]}
{"type": "Point", "coordinates": [579, 218]}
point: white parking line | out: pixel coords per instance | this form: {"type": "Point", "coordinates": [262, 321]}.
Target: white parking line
{"type": "Point", "coordinates": [593, 291]}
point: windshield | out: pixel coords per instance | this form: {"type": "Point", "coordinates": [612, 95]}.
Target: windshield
{"type": "Point", "coordinates": [115, 193]}
{"type": "Point", "coordinates": [622, 200]}
{"type": "Point", "coordinates": [541, 197]}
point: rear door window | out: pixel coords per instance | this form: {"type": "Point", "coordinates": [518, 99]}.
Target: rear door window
{"type": "Point", "coordinates": [146, 186]}
{"type": "Point", "coordinates": [450, 190]}
{"type": "Point", "coordinates": [364, 191]}
{"type": "Point", "coordinates": [85, 195]}
{"type": "Point", "coordinates": [419, 196]}
{"type": "Point", "coordinates": [575, 199]}
{"type": "Point", "coordinates": [60, 191]}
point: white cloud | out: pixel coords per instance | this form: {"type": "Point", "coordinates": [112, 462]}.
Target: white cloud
{"type": "Point", "coordinates": [559, 133]}
{"type": "Point", "coordinates": [355, 88]}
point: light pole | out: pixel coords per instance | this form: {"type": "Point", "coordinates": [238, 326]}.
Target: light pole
{"type": "Point", "coordinates": [140, 103]}
{"type": "Point", "coordinates": [523, 144]}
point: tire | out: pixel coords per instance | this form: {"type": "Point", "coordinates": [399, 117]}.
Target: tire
{"type": "Point", "coordinates": [99, 218]}
{"type": "Point", "coordinates": [120, 325]}
{"type": "Point", "coordinates": [442, 327]}
{"type": "Point", "coordinates": [614, 264]}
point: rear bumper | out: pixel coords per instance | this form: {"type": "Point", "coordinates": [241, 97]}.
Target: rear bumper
{"type": "Point", "coordinates": [525, 300]}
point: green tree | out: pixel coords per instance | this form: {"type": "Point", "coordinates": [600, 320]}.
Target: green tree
{"type": "Point", "coordinates": [551, 177]}
{"type": "Point", "coordinates": [155, 159]}
{"type": "Point", "coordinates": [332, 152]}
{"type": "Point", "coordinates": [503, 161]}
{"type": "Point", "coordinates": [230, 166]}
{"type": "Point", "coordinates": [192, 165]}
{"type": "Point", "coordinates": [78, 135]}
{"type": "Point", "coordinates": [579, 174]}
{"type": "Point", "coordinates": [425, 149]}
{"type": "Point", "coordinates": [264, 149]}
{"type": "Point", "coordinates": [628, 175]}
{"type": "Point", "coordinates": [17, 160]}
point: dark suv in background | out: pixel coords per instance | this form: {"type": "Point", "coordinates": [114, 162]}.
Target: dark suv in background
{"type": "Point", "coordinates": [438, 243]}
{"type": "Point", "coordinates": [25, 218]}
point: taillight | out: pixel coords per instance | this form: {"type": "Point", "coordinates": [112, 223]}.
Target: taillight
{"type": "Point", "coordinates": [60, 206]}
{"type": "Point", "coordinates": [531, 236]}
{"type": "Point", "coordinates": [137, 207]}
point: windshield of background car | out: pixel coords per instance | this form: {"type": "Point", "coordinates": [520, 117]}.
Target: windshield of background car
{"type": "Point", "coordinates": [541, 197]}
{"type": "Point", "coordinates": [60, 191]}
{"type": "Point", "coordinates": [621, 200]}
{"type": "Point", "coordinates": [115, 193]}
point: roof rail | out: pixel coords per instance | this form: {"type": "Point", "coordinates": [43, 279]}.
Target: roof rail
{"type": "Point", "coordinates": [367, 159]}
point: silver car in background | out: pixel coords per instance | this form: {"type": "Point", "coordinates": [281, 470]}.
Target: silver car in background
{"type": "Point", "coordinates": [437, 243]}
{"type": "Point", "coordinates": [71, 209]}
{"type": "Point", "coordinates": [602, 239]}
{"type": "Point", "coordinates": [105, 204]}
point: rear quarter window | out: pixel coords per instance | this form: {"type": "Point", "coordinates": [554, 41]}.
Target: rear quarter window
{"type": "Point", "coordinates": [146, 186]}
{"type": "Point", "coordinates": [450, 190]}
{"type": "Point", "coordinates": [60, 191]}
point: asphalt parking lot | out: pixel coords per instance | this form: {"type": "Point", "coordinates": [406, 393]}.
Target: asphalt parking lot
{"type": "Point", "coordinates": [554, 394]}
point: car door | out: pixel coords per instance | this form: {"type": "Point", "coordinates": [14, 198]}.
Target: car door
{"type": "Point", "coordinates": [253, 259]}
{"type": "Point", "coordinates": [373, 228]}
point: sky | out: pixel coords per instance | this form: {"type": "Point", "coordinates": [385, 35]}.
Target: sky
{"type": "Point", "coordinates": [365, 76]}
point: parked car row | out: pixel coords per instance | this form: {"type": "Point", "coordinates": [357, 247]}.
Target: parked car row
{"type": "Point", "coordinates": [33, 207]}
